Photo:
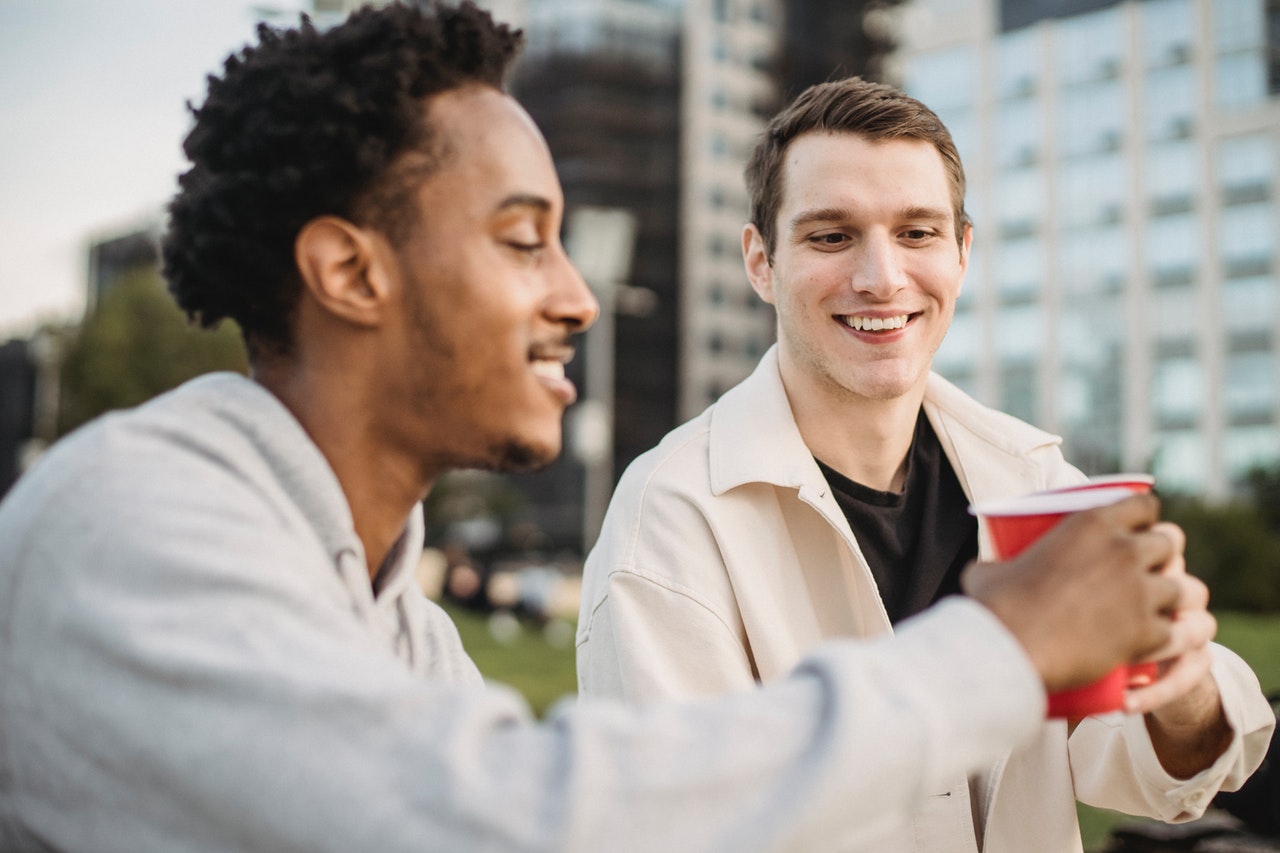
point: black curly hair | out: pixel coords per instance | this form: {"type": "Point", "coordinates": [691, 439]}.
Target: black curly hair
{"type": "Point", "coordinates": [308, 123]}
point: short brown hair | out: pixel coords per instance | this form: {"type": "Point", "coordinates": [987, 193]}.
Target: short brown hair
{"type": "Point", "coordinates": [852, 105]}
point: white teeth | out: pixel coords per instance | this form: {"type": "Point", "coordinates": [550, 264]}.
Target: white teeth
{"type": "Point", "coordinates": [875, 324]}
{"type": "Point", "coordinates": [548, 368]}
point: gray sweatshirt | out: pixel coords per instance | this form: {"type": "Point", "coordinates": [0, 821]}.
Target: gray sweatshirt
{"type": "Point", "coordinates": [192, 658]}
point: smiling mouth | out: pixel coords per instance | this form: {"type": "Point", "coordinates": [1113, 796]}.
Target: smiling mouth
{"type": "Point", "coordinates": [875, 324]}
{"type": "Point", "coordinates": [548, 368]}
{"type": "Point", "coordinates": [546, 362]}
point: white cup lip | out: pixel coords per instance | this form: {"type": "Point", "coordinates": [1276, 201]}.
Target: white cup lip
{"type": "Point", "coordinates": [1052, 502]}
{"type": "Point", "coordinates": [1105, 480]}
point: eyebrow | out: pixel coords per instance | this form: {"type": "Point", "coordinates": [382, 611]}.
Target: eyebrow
{"type": "Point", "coordinates": [524, 200]}
{"type": "Point", "coordinates": [837, 214]}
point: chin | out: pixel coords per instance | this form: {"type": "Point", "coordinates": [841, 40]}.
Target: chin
{"type": "Point", "coordinates": [517, 455]}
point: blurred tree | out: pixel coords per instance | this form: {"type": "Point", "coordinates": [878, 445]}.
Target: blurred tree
{"type": "Point", "coordinates": [474, 508]}
{"type": "Point", "coordinates": [1233, 550]}
{"type": "Point", "coordinates": [136, 344]}
{"type": "Point", "coordinates": [1263, 483]}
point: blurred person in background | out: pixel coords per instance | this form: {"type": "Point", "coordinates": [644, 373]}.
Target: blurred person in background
{"type": "Point", "coordinates": [211, 636]}
{"type": "Point", "coordinates": [826, 496]}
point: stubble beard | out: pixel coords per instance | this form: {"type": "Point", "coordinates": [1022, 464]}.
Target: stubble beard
{"type": "Point", "coordinates": [513, 456]}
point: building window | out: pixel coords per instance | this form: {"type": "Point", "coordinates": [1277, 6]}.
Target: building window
{"type": "Point", "coordinates": [1168, 31]}
{"type": "Point", "coordinates": [1019, 334]}
{"type": "Point", "coordinates": [1090, 46]}
{"type": "Point", "coordinates": [1250, 304]}
{"type": "Point", "coordinates": [1020, 266]}
{"type": "Point", "coordinates": [1177, 388]}
{"type": "Point", "coordinates": [1017, 63]}
{"type": "Point", "coordinates": [1090, 334]}
{"type": "Point", "coordinates": [1241, 80]}
{"type": "Point", "coordinates": [1093, 260]}
{"type": "Point", "coordinates": [1172, 170]}
{"type": "Point", "coordinates": [1249, 386]}
{"type": "Point", "coordinates": [1246, 163]}
{"type": "Point", "coordinates": [1173, 245]}
{"type": "Point", "coordinates": [1240, 34]}
{"type": "Point", "coordinates": [1093, 118]}
{"type": "Point", "coordinates": [1247, 233]}
{"type": "Point", "coordinates": [1180, 461]}
{"type": "Point", "coordinates": [1176, 312]}
{"type": "Point", "coordinates": [945, 79]}
{"type": "Point", "coordinates": [1238, 25]}
{"type": "Point", "coordinates": [959, 350]}
{"type": "Point", "coordinates": [1021, 196]}
{"type": "Point", "coordinates": [1169, 101]}
{"type": "Point", "coordinates": [1245, 448]}
{"type": "Point", "coordinates": [1094, 189]}
{"type": "Point", "coordinates": [1018, 391]}
{"type": "Point", "coordinates": [1017, 132]}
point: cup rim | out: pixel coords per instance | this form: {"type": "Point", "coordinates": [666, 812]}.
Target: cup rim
{"type": "Point", "coordinates": [1106, 481]}
{"type": "Point", "coordinates": [1051, 502]}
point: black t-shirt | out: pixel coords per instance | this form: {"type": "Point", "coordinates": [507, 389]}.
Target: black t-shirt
{"type": "Point", "coordinates": [916, 542]}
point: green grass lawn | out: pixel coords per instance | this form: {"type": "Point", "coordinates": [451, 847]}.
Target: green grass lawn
{"type": "Point", "coordinates": [1256, 639]}
{"type": "Point", "coordinates": [544, 671]}
{"type": "Point", "coordinates": [538, 663]}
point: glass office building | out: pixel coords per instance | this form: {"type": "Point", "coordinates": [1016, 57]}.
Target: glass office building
{"type": "Point", "coordinates": [1122, 165]}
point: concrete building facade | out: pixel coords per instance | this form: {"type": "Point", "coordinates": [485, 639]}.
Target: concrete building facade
{"type": "Point", "coordinates": [1122, 165]}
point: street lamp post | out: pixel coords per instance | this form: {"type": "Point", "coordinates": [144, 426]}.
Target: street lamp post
{"type": "Point", "coordinates": [601, 242]}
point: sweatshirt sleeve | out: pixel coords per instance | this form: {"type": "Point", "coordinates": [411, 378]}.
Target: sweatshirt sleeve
{"type": "Point", "coordinates": [177, 676]}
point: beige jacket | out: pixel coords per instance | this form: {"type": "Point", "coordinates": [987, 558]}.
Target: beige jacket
{"type": "Point", "coordinates": [724, 558]}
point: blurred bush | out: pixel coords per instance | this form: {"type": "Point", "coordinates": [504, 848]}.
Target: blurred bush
{"type": "Point", "coordinates": [1235, 547]}
{"type": "Point", "coordinates": [136, 344]}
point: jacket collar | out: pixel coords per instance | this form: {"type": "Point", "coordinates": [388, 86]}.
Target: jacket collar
{"type": "Point", "coordinates": [754, 437]}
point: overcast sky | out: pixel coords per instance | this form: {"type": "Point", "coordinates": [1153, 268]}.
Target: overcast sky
{"type": "Point", "coordinates": [92, 116]}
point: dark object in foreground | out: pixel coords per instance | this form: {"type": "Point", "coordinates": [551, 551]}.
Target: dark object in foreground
{"type": "Point", "coordinates": [1216, 832]}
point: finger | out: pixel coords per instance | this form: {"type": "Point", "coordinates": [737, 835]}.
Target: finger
{"type": "Point", "coordinates": [1158, 548]}
{"type": "Point", "coordinates": [1194, 595]}
{"type": "Point", "coordinates": [1177, 563]}
{"type": "Point", "coordinates": [1134, 513]}
{"type": "Point", "coordinates": [1164, 594]}
{"type": "Point", "coordinates": [1174, 532]}
{"type": "Point", "coordinates": [1183, 674]}
{"type": "Point", "coordinates": [1190, 632]}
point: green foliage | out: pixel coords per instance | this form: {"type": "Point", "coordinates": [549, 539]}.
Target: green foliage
{"type": "Point", "coordinates": [135, 345]}
{"type": "Point", "coordinates": [1233, 549]}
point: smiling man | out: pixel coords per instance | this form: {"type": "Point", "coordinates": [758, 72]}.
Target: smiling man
{"type": "Point", "coordinates": [826, 496]}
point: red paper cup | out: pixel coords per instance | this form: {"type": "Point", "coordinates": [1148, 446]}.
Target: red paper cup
{"type": "Point", "coordinates": [1015, 523]}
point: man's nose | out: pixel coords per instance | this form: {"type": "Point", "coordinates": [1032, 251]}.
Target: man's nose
{"type": "Point", "coordinates": [571, 301]}
{"type": "Point", "coordinates": [878, 267]}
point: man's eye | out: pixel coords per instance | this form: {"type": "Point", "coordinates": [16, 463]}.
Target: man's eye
{"type": "Point", "coordinates": [917, 234]}
{"type": "Point", "coordinates": [529, 248]}
{"type": "Point", "coordinates": [830, 239]}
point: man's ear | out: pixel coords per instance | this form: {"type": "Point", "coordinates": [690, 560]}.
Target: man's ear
{"type": "Point", "coordinates": [756, 260]}
{"type": "Point", "coordinates": [342, 269]}
{"type": "Point", "coordinates": [966, 246]}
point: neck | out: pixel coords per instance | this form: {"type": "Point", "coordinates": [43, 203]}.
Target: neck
{"type": "Point", "coordinates": [866, 440]}
{"type": "Point", "coordinates": [381, 486]}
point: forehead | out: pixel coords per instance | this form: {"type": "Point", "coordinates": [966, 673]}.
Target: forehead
{"type": "Point", "coordinates": [491, 150]}
{"type": "Point", "coordinates": [835, 165]}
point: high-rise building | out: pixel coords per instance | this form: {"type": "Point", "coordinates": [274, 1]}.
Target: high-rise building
{"type": "Point", "coordinates": [1122, 165]}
